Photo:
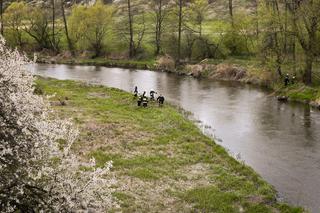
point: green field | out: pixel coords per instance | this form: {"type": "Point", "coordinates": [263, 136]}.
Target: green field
{"type": "Point", "coordinates": [162, 161]}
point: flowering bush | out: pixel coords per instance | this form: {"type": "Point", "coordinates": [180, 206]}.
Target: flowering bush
{"type": "Point", "coordinates": [38, 171]}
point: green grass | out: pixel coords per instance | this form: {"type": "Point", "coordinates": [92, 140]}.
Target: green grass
{"type": "Point", "coordinates": [211, 199]}
{"type": "Point", "coordinates": [300, 92]}
{"type": "Point", "coordinates": [161, 160]}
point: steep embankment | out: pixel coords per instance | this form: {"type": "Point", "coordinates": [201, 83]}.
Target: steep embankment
{"type": "Point", "coordinates": [162, 161]}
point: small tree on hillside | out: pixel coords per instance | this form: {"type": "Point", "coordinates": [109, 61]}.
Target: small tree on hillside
{"type": "Point", "coordinates": [131, 24]}
{"type": "Point", "coordinates": [14, 16]}
{"type": "Point", "coordinates": [160, 11]}
{"type": "Point", "coordinates": [37, 26]}
{"type": "Point", "coordinates": [90, 25]}
{"type": "Point", "coordinates": [274, 33]}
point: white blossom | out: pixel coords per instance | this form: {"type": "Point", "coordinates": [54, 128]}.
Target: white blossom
{"type": "Point", "coordinates": [36, 173]}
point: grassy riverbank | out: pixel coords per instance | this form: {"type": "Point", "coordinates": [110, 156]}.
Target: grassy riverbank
{"type": "Point", "coordinates": [162, 161]}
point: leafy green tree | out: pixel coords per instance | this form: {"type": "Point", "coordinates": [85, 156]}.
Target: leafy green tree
{"type": "Point", "coordinates": [89, 26]}
{"type": "Point", "coordinates": [132, 25]}
{"type": "Point", "coordinates": [198, 13]}
{"type": "Point", "coordinates": [14, 16]}
{"type": "Point", "coordinates": [274, 35]}
{"type": "Point", "coordinates": [160, 11]}
{"type": "Point", "coordinates": [306, 25]}
{"type": "Point", "coordinates": [37, 26]}
{"type": "Point", "coordinates": [66, 29]}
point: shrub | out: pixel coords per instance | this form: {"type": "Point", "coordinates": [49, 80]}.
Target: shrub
{"type": "Point", "coordinates": [38, 171]}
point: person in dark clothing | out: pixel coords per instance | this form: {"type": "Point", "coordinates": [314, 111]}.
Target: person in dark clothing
{"type": "Point", "coordinates": [160, 100]}
{"type": "Point", "coordinates": [139, 100]}
{"type": "Point", "coordinates": [144, 101]}
{"type": "Point", "coordinates": [135, 92]}
{"type": "Point", "coordinates": [286, 80]}
{"type": "Point", "coordinates": [152, 93]}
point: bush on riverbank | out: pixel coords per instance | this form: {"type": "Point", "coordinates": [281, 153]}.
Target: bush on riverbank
{"type": "Point", "coordinates": [162, 161]}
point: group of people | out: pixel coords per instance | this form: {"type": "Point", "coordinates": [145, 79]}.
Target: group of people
{"type": "Point", "coordinates": [289, 80]}
{"type": "Point", "coordinates": [143, 99]}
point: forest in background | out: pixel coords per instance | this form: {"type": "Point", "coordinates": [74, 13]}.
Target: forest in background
{"type": "Point", "coordinates": [281, 34]}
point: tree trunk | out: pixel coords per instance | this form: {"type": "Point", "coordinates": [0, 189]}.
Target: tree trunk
{"type": "Point", "coordinates": [233, 33]}
{"type": "Point", "coordinates": [1, 17]}
{"type": "Point", "coordinates": [179, 31]}
{"type": "Point", "coordinates": [256, 7]}
{"type": "Point", "coordinates": [53, 25]}
{"type": "Point", "coordinates": [70, 45]}
{"type": "Point", "coordinates": [286, 28]}
{"type": "Point", "coordinates": [158, 28]}
{"type": "Point", "coordinates": [131, 42]}
{"type": "Point", "coordinates": [307, 76]}
{"type": "Point", "coordinates": [279, 70]}
{"type": "Point", "coordinates": [294, 58]}
{"type": "Point", "coordinates": [231, 13]}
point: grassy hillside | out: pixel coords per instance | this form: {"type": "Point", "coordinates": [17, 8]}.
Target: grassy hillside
{"type": "Point", "coordinates": [162, 161]}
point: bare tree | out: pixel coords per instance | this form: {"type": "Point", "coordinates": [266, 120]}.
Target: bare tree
{"type": "Point", "coordinates": [159, 7]}
{"type": "Point", "coordinates": [180, 19]}
{"type": "Point", "coordinates": [231, 13]}
{"type": "Point", "coordinates": [54, 42]}
{"type": "Point", "coordinates": [131, 39]}
{"type": "Point", "coordinates": [233, 46]}
{"type": "Point", "coordinates": [133, 27]}
{"type": "Point", "coordinates": [70, 44]}
{"type": "Point", "coordinates": [38, 27]}
{"type": "Point", "coordinates": [256, 9]}
{"type": "Point", "coordinates": [1, 17]}
{"type": "Point", "coordinates": [275, 33]}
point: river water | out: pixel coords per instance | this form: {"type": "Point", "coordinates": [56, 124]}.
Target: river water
{"type": "Point", "coordinates": [280, 141]}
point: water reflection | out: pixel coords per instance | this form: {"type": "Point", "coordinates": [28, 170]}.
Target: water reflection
{"type": "Point", "coordinates": [280, 141]}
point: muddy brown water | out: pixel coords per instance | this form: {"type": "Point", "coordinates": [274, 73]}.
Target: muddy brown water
{"type": "Point", "coordinates": [280, 141]}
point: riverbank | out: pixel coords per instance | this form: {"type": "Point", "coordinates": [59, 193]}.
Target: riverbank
{"type": "Point", "coordinates": [245, 71]}
{"type": "Point", "coordinates": [162, 161]}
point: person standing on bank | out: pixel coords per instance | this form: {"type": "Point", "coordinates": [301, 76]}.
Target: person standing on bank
{"type": "Point", "coordinates": [144, 101]}
{"type": "Point", "coordinates": [152, 93]}
{"type": "Point", "coordinates": [286, 80]}
{"type": "Point", "coordinates": [135, 92]}
{"type": "Point", "coordinates": [160, 100]}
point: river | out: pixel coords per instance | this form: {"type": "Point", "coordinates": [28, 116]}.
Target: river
{"type": "Point", "coordinates": [281, 141]}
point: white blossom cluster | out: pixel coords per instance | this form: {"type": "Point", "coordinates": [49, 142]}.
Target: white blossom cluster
{"type": "Point", "coordinates": [38, 172]}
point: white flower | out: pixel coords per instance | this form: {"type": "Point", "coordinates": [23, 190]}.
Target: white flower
{"type": "Point", "coordinates": [31, 178]}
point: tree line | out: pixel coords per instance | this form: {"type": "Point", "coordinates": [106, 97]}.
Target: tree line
{"type": "Point", "coordinates": [279, 32]}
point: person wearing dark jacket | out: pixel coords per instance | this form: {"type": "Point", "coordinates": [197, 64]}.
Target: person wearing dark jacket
{"type": "Point", "coordinates": [144, 101]}
{"type": "Point", "coordinates": [152, 93]}
{"type": "Point", "coordinates": [160, 100]}
{"type": "Point", "coordinates": [286, 80]}
{"type": "Point", "coordinates": [135, 92]}
{"type": "Point", "coordinates": [139, 101]}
